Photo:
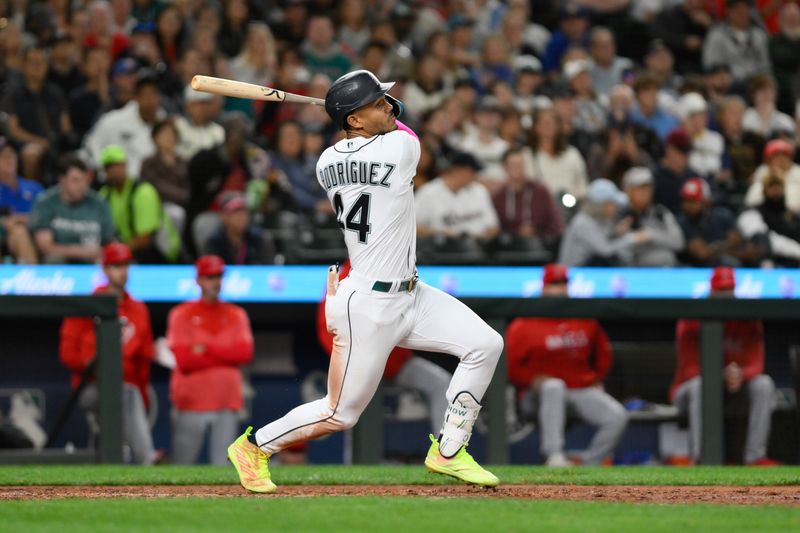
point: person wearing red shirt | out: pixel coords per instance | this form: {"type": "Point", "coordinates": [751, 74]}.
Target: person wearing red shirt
{"type": "Point", "coordinates": [403, 367]}
{"type": "Point", "coordinates": [558, 366]}
{"type": "Point", "coordinates": [743, 372]}
{"type": "Point", "coordinates": [78, 345]}
{"type": "Point", "coordinates": [211, 340]}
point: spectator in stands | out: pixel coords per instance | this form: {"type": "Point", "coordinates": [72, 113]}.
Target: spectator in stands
{"type": "Point", "coordinates": [660, 62]}
{"type": "Point", "coordinates": [290, 158]}
{"type": "Point", "coordinates": [707, 146]}
{"type": "Point", "coordinates": [17, 196]}
{"type": "Point", "coordinates": [167, 172]}
{"type": "Point", "coordinates": [374, 57]}
{"type": "Point", "coordinates": [527, 83]}
{"type": "Point", "coordinates": [737, 42]}
{"type": "Point", "coordinates": [353, 28]}
{"type": "Point", "coordinates": [742, 374]}
{"type": "Point", "coordinates": [321, 53]}
{"type": "Point", "coordinates": [230, 38]}
{"type": "Point", "coordinates": [69, 221]}
{"type": "Point", "coordinates": [683, 28]}
{"type": "Point", "coordinates": [495, 64]}
{"type": "Point", "coordinates": [590, 117]}
{"type": "Point", "coordinates": [558, 366]}
{"type": "Point", "coordinates": [662, 238]}
{"type": "Point", "coordinates": [428, 89]}
{"type": "Point", "coordinates": [784, 53]}
{"type": "Point", "coordinates": [237, 241]}
{"type": "Point", "coordinates": [743, 148]}
{"type": "Point", "coordinates": [130, 126]}
{"type": "Point", "coordinates": [525, 207]}
{"type": "Point", "coordinates": [86, 100]}
{"type": "Point", "coordinates": [64, 72]}
{"type": "Point", "coordinates": [403, 368]}
{"type": "Point", "coordinates": [772, 222]}
{"type": "Point", "coordinates": [607, 67]}
{"type": "Point", "coordinates": [483, 141]}
{"type": "Point", "coordinates": [778, 162]}
{"type": "Point", "coordinates": [592, 237]}
{"type": "Point", "coordinates": [102, 31]}
{"type": "Point", "coordinates": [763, 118]}
{"type": "Point", "coordinates": [197, 129]}
{"type": "Point", "coordinates": [78, 347]}
{"type": "Point", "coordinates": [124, 74]}
{"type": "Point", "coordinates": [256, 62]}
{"type": "Point", "coordinates": [37, 115]}
{"type": "Point", "coordinates": [455, 205]}
{"type": "Point", "coordinates": [137, 212]}
{"type": "Point", "coordinates": [573, 31]}
{"type": "Point", "coordinates": [648, 111]}
{"type": "Point", "coordinates": [710, 230]}
{"type": "Point", "coordinates": [673, 171]}
{"type": "Point", "coordinates": [211, 341]}
{"type": "Point", "coordinates": [558, 165]}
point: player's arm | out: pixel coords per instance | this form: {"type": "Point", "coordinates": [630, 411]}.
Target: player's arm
{"type": "Point", "coordinates": [754, 365]}
{"type": "Point", "coordinates": [74, 348]}
{"type": "Point", "coordinates": [236, 346]}
{"type": "Point", "coordinates": [180, 341]}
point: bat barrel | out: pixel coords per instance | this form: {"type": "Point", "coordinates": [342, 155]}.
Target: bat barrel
{"type": "Point", "coordinates": [240, 89]}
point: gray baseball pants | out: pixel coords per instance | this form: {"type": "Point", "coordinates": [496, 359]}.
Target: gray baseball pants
{"type": "Point", "coordinates": [189, 429]}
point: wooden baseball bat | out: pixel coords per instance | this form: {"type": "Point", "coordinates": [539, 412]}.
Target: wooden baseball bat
{"type": "Point", "coordinates": [240, 89]}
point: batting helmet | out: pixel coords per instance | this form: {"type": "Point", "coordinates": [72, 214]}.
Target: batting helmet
{"type": "Point", "coordinates": [354, 90]}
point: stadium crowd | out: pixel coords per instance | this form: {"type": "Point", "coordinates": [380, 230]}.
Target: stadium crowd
{"type": "Point", "coordinates": [594, 132]}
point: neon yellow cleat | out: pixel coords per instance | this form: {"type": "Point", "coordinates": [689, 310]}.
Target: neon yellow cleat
{"type": "Point", "coordinates": [251, 464]}
{"type": "Point", "coordinates": [461, 466]}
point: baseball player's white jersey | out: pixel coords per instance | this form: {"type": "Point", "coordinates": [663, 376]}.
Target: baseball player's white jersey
{"type": "Point", "coordinates": [379, 305]}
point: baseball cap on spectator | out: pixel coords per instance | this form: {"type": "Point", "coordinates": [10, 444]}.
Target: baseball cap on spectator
{"type": "Point", "coordinates": [116, 253]}
{"type": "Point", "coordinates": [526, 63]}
{"type": "Point", "coordinates": [778, 146]}
{"type": "Point", "coordinates": [210, 265]}
{"type": "Point", "coordinates": [465, 160]}
{"type": "Point", "coordinates": [233, 201]}
{"type": "Point", "coordinates": [574, 11]}
{"type": "Point", "coordinates": [126, 65]}
{"type": "Point", "coordinates": [573, 68]}
{"type": "Point", "coordinates": [602, 190]}
{"type": "Point", "coordinates": [113, 154]}
{"type": "Point", "coordinates": [691, 104]}
{"type": "Point", "coordinates": [554, 273]}
{"type": "Point", "coordinates": [695, 189]}
{"type": "Point", "coordinates": [190, 95]}
{"type": "Point", "coordinates": [679, 139]}
{"type": "Point", "coordinates": [637, 177]}
{"type": "Point", "coordinates": [723, 279]}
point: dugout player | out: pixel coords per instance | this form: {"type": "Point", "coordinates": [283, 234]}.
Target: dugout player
{"type": "Point", "coordinates": [368, 177]}
{"type": "Point", "coordinates": [211, 340]}
{"type": "Point", "coordinates": [743, 346]}
{"type": "Point", "coordinates": [558, 366]}
{"type": "Point", "coordinates": [77, 351]}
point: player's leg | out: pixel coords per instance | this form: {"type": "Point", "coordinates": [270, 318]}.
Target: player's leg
{"type": "Point", "coordinates": [440, 323]}
{"type": "Point", "coordinates": [188, 434]}
{"type": "Point", "coordinates": [599, 409]}
{"type": "Point", "coordinates": [430, 379]}
{"type": "Point", "coordinates": [552, 419]}
{"type": "Point", "coordinates": [135, 426]}
{"type": "Point", "coordinates": [688, 400]}
{"type": "Point", "coordinates": [760, 391]}
{"type": "Point", "coordinates": [224, 426]}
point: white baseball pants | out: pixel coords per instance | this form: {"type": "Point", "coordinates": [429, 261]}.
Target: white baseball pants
{"type": "Point", "coordinates": [367, 325]}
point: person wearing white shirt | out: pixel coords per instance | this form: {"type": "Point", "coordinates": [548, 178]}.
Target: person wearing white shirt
{"type": "Point", "coordinates": [607, 67]}
{"type": "Point", "coordinates": [707, 145]}
{"type": "Point", "coordinates": [482, 141]}
{"type": "Point", "coordinates": [558, 165]}
{"type": "Point", "coordinates": [763, 118]}
{"type": "Point", "coordinates": [197, 131]}
{"type": "Point", "coordinates": [778, 161]}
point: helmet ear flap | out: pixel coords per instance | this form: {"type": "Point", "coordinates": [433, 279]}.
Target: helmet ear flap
{"type": "Point", "coordinates": [397, 105]}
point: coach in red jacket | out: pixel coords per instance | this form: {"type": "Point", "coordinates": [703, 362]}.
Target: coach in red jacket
{"type": "Point", "coordinates": [743, 372]}
{"type": "Point", "coordinates": [78, 345]}
{"type": "Point", "coordinates": [559, 364]}
{"type": "Point", "coordinates": [211, 340]}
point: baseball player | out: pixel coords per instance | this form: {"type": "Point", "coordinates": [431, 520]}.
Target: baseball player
{"type": "Point", "coordinates": [743, 346]}
{"type": "Point", "coordinates": [78, 346]}
{"type": "Point", "coordinates": [368, 177]}
{"type": "Point", "coordinates": [558, 364]}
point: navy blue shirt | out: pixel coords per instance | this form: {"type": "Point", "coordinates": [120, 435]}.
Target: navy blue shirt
{"type": "Point", "coordinates": [20, 201]}
{"type": "Point", "coordinates": [712, 226]}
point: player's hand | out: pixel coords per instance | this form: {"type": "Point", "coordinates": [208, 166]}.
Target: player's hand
{"type": "Point", "coordinates": [734, 377]}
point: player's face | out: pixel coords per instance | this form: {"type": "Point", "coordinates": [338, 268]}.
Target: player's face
{"type": "Point", "coordinates": [117, 275]}
{"type": "Point", "coordinates": [375, 118]}
{"type": "Point", "coordinates": [555, 290]}
{"type": "Point", "coordinates": [210, 286]}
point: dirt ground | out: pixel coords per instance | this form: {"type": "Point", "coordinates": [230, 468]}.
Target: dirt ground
{"type": "Point", "coordinates": [777, 495]}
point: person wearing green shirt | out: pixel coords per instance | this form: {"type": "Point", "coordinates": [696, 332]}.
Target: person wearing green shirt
{"type": "Point", "coordinates": [69, 221]}
{"type": "Point", "coordinates": [137, 212]}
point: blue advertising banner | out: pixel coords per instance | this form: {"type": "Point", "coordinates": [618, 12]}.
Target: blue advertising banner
{"type": "Point", "coordinates": [306, 283]}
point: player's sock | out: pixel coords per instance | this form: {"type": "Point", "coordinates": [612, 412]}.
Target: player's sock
{"type": "Point", "coordinates": [458, 421]}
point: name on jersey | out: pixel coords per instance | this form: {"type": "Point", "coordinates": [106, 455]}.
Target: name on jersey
{"type": "Point", "coordinates": [353, 172]}
{"type": "Point", "coordinates": [566, 340]}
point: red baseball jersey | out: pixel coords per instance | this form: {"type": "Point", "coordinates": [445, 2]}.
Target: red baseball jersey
{"type": "Point", "coordinates": [575, 350]}
{"type": "Point", "coordinates": [210, 342]}
{"type": "Point", "coordinates": [78, 343]}
{"type": "Point", "coordinates": [743, 344]}
{"type": "Point", "coordinates": [397, 358]}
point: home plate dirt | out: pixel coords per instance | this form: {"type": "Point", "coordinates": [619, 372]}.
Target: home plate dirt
{"type": "Point", "coordinates": [777, 495]}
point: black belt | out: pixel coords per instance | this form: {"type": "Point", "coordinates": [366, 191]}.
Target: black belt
{"type": "Point", "coordinates": [386, 286]}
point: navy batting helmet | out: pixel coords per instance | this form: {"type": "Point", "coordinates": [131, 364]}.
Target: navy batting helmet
{"type": "Point", "coordinates": [354, 90]}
